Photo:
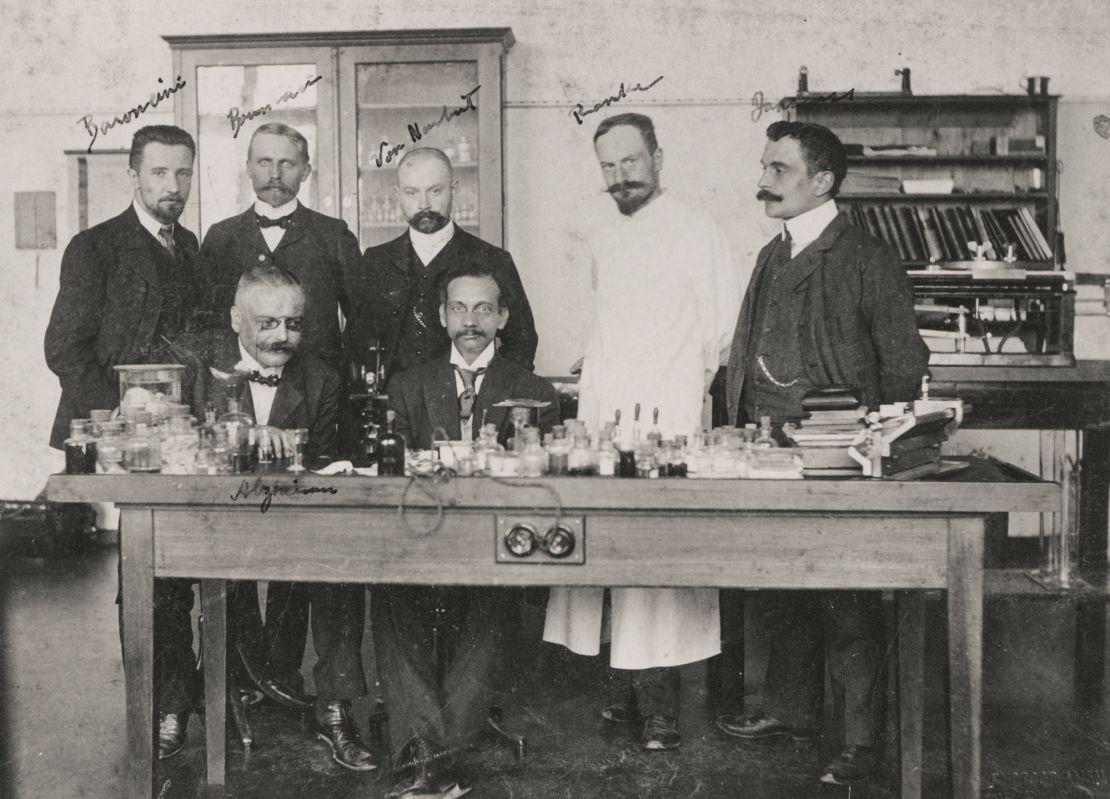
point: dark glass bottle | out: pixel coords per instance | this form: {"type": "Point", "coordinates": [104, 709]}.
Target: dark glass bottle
{"type": "Point", "coordinates": [391, 449]}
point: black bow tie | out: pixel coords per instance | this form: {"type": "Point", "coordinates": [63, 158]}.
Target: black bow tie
{"type": "Point", "coordinates": [256, 376]}
{"type": "Point", "coordinates": [265, 221]}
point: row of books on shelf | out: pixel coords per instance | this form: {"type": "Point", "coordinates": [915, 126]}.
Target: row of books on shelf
{"type": "Point", "coordinates": [943, 232]}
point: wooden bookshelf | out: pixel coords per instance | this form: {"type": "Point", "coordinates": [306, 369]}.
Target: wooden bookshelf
{"type": "Point", "coordinates": [968, 138]}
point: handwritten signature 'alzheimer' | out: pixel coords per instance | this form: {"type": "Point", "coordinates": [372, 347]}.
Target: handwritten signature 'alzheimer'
{"type": "Point", "coordinates": [268, 491]}
{"type": "Point", "coordinates": [580, 109]}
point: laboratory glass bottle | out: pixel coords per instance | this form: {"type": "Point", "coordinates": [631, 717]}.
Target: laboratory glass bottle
{"type": "Point", "coordinates": [533, 460]}
{"type": "Point", "coordinates": [144, 450]}
{"type": "Point", "coordinates": [240, 436]}
{"type": "Point", "coordinates": [606, 456]}
{"type": "Point", "coordinates": [558, 451]}
{"type": "Point", "coordinates": [80, 448]}
{"type": "Point", "coordinates": [391, 449]}
{"type": "Point", "coordinates": [765, 440]}
{"type": "Point", "coordinates": [580, 460]}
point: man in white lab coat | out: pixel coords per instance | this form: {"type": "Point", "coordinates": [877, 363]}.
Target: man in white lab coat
{"type": "Point", "coordinates": [666, 300]}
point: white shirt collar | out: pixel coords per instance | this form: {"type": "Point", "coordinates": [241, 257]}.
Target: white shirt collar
{"type": "Point", "coordinates": [805, 228]}
{"type": "Point", "coordinates": [428, 245]}
{"type": "Point", "coordinates": [149, 223]}
{"type": "Point", "coordinates": [482, 361]}
{"type": "Point", "coordinates": [270, 212]}
{"type": "Point", "coordinates": [247, 363]}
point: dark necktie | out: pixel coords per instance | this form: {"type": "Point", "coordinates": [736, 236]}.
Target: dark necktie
{"type": "Point", "coordinates": [165, 235]}
{"type": "Point", "coordinates": [256, 376]}
{"type": "Point", "coordinates": [265, 221]}
{"type": "Point", "coordinates": [466, 398]}
{"type": "Point", "coordinates": [787, 245]}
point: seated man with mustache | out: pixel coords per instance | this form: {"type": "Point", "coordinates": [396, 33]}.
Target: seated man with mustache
{"type": "Point", "coordinates": [285, 389]}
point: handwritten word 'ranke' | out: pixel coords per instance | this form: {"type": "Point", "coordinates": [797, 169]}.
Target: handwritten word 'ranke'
{"type": "Point", "coordinates": [416, 131]}
{"type": "Point", "coordinates": [94, 129]}
{"type": "Point", "coordinates": [268, 491]}
{"type": "Point", "coordinates": [760, 105]}
{"type": "Point", "coordinates": [237, 118]}
{"type": "Point", "coordinates": [580, 109]}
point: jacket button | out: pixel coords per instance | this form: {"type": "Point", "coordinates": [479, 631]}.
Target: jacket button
{"type": "Point", "coordinates": [261, 257]}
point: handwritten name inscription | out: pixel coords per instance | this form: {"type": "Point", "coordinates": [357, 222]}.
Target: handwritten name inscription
{"type": "Point", "coordinates": [580, 109]}
{"type": "Point", "coordinates": [95, 129]}
{"type": "Point", "coordinates": [416, 131]}
{"type": "Point", "coordinates": [761, 105]}
{"type": "Point", "coordinates": [237, 118]}
{"type": "Point", "coordinates": [268, 491]}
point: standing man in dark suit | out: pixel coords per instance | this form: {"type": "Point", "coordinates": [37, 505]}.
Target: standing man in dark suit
{"type": "Point", "coordinates": [287, 389]}
{"type": "Point", "coordinates": [828, 305]}
{"type": "Point", "coordinates": [128, 284]}
{"type": "Point", "coordinates": [427, 720]}
{"type": "Point", "coordinates": [278, 230]}
{"type": "Point", "coordinates": [394, 297]}
{"type": "Point", "coordinates": [129, 288]}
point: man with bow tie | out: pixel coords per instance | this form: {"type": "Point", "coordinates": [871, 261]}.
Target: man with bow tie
{"type": "Point", "coordinates": [278, 230]}
{"type": "Point", "coordinates": [287, 389]}
{"type": "Point", "coordinates": [455, 392]}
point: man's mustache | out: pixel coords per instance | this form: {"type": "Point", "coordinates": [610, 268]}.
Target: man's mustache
{"type": "Point", "coordinates": [624, 186]}
{"type": "Point", "coordinates": [172, 198]}
{"type": "Point", "coordinates": [283, 347]}
{"type": "Point", "coordinates": [763, 194]}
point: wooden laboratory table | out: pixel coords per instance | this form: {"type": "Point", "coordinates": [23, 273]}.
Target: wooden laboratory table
{"type": "Point", "coordinates": [814, 534]}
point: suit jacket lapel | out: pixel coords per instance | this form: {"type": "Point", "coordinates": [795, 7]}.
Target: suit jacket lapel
{"type": "Point", "coordinates": [296, 231]}
{"type": "Point", "coordinates": [814, 255]}
{"type": "Point", "coordinates": [441, 401]}
{"type": "Point", "coordinates": [136, 246]}
{"type": "Point", "coordinates": [290, 394]}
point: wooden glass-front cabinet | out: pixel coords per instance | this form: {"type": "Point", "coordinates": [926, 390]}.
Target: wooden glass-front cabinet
{"type": "Point", "coordinates": [362, 100]}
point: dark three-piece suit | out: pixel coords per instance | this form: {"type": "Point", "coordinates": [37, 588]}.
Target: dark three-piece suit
{"type": "Point", "coordinates": [840, 312]}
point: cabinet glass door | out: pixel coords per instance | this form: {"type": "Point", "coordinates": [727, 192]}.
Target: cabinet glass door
{"type": "Point", "coordinates": [405, 106]}
{"type": "Point", "coordinates": [228, 95]}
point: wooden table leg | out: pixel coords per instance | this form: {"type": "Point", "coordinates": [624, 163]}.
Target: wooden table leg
{"type": "Point", "coordinates": [213, 604]}
{"type": "Point", "coordinates": [965, 652]}
{"type": "Point", "coordinates": [137, 576]}
{"type": "Point", "coordinates": [911, 688]}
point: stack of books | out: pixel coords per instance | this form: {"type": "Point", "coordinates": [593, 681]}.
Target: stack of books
{"type": "Point", "coordinates": [835, 420]}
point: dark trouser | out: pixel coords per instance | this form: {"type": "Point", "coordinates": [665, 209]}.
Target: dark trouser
{"type": "Point", "coordinates": [481, 621]}
{"type": "Point", "coordinates": [850, 623]}
{"type": "Point", "coordinates": [277, 648]}
{"type": "Point", "coordinates": [656, 691]}
{"type": "Point", "coordinates": [337, 624]}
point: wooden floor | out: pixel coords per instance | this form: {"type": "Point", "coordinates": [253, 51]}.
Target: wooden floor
{"type": "Point", "coordinates": [63, 715]}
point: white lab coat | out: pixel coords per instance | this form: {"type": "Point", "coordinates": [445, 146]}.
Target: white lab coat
{"type": "Point", "coordinates": [666, 303]}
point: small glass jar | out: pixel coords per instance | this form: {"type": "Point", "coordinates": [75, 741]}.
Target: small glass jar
{"type": "Point", "coordinates": [179, 445]}
{"type": "Point", "coordinates": [298, 438]}
{"type": "Point", "coordinates": [580, 460]}
{"type": "Point", "coordinates": [533, 460]}
{"type": "Point", "coordinates": [80, 448]}
{"type": "Point", "coordinates": [111, 447]}
{"type": "Point", "coordinates": [144, 450]}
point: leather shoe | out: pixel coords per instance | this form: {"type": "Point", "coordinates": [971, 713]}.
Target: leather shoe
{"type": "Point", "coordinates": [336, 728]}
{"type": "Point", "coordinates": [760, 727]}
{"type": "Point", "coordinates": [279, 691]}
{"type": "Point", "coordinates": [659, 733]}
{"type": "Point", "coordinates": [425, 772]}
{"type": "Point", "coordinates": [853, 764]}
{"type": "Point", "coordinates": [172, 733]}
{"type": "Point", "coordinates": [622, 712]}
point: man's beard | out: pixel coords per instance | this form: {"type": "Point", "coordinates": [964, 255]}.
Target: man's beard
{"type": "Point", "coordinates": [428, 221]}
{"type": "Point", "coordinates": [165, 213]}
{"type": "Point", "coordinates": [631, 203]}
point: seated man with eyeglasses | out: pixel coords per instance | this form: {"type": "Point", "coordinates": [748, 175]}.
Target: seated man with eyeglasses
{"type": "Point", "coordinates": [429, 719]}
{"type": "Point", "coordinates": [285, 389]}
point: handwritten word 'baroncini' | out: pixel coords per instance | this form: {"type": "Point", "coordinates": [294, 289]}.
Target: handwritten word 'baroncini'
{"type": "Point", "coordinates": [94, 129]}
{"type": "Point", "coordinates": [387, 153]}
{"type": "Point", "coordinates": [268, 491]}
{"type": "Point", "coordinates": [761, 105]}
{"type": "Point", "coordinates": [580, 109]}
{"type": "Point", "coordinates": [237, 118]}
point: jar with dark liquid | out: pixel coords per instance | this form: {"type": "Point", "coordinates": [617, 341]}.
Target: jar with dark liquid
{"type": "Point", "coordinates": [80, 448]}
{"type": "Point", "coordinates": [391, 449]}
